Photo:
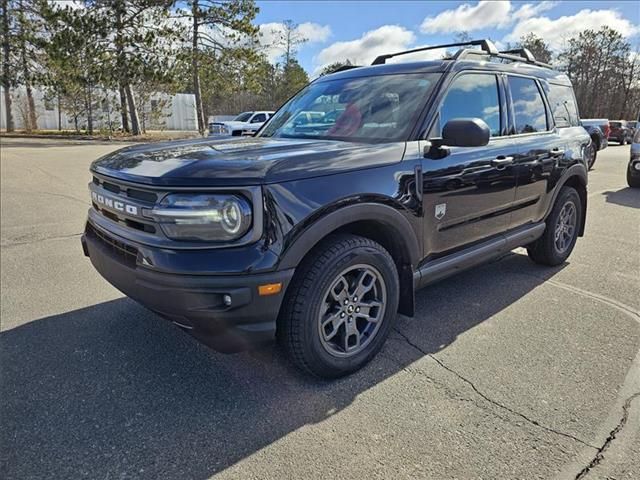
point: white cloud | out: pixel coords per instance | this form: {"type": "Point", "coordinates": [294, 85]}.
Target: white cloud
{"type": "Point", "coordinates": [484, 14]}
{"type": "Point", "coordinates": [386, 39]}
{"type": "Point", "coordinates": [556, 32]}
{"type": "Point", "coordinates": [468, 17]}
{"type": "Point", "coordinates": [313, 32]}
{"type": "Point", "coordinates": [269, 32]}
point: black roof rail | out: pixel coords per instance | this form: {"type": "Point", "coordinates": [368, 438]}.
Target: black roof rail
{"type": "Point", "coordinates": [523, 52]}
{"type": "Point", "coordinates": [515, 55]}
{"type": "Point", "coordinates": [345, 67]}
{"type": "Point", "coordinates": [486, 45]}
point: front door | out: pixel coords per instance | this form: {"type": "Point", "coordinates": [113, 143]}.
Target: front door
{"type": "Point", "coordinates": [467, 195]}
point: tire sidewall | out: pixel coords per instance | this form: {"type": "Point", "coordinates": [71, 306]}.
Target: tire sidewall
{"type": "Point", "coordinates": [593, 152]}
{"type": "Point", "coordinates": [315, 352]}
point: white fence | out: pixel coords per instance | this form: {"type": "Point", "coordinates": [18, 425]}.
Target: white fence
{"type": "Point", "coordinates": [160, 112]}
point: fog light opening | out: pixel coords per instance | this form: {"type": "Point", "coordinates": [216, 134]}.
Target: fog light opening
{"type": "Point", "coordinates": [227, 300]}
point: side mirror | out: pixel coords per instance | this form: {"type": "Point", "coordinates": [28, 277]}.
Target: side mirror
{"type": "Point", "coordinates": [465, 132]}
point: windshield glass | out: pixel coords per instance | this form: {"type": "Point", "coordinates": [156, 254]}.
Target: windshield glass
{"type": "Point", "coordinates": [615, 124]}
{"type": "Point", "coordinates": [243, 117]}
{"type": "Point", "coordinates": [368, 109]}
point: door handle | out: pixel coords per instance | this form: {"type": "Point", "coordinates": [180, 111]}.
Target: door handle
{"type": "Point", "coordinates": [501, 162]}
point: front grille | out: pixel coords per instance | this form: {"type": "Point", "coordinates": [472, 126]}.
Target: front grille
{"type": "Point", "coordinates": [125, 253]}
{"type": "Point", "coordinates": [124, 192]}
{"type": "Point", "coordinates": [135, 193]}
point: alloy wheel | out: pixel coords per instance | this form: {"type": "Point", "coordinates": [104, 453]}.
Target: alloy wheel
{"type": "Point", "coordinates": [565, 227]}
{"type": "Point", "coordinates": [352, 310]}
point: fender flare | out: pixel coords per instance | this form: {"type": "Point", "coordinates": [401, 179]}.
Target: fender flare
{"type": "Point", "coordinates": [580, 171]}
{"type": "Point", "coordinates": [376, 212]}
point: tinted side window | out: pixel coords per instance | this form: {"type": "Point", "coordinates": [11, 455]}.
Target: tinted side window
{"type": "Point", "coordinates": [260, 117]}
{"type": "Point", "coordinates": [528, 105]}
{"type": "Point", "coordinates": [563, 105]}
{"type": "Point", "coordinates": [473, 96]}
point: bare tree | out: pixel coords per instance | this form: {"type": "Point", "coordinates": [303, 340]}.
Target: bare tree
{"type": "Point", "coordinates": [7, 73]}
{"type": "Point", "coordinates": [289, 39]}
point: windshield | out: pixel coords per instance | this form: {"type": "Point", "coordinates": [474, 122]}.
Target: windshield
{"type": "Point", "coordinates": [243, 117]}
{"type": "Point", "coordinates": [368, 109]}
{"type": "Point", "coordinates": [615, 124]}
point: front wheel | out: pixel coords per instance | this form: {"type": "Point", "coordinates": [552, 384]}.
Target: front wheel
{"type": "Point", "coordinates": [341, 306]}
{"type": "Point", "coordinates": [557, 242]}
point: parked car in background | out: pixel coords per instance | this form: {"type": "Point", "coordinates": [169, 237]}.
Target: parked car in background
{"type": "Point", "coordinates": [633, 126]}
{"type": "Point", "coordinates": [633, 169]}
{"type": "Point", "coordinates": [246, 122]}
{"type": "Point", "coordinates": [598, 130]}
{"type": "Point", "coordinates": [620, 132]}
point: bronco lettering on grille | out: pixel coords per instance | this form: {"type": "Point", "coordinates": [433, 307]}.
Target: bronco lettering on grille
{"type": "Point", "coordinates": [114, 204]}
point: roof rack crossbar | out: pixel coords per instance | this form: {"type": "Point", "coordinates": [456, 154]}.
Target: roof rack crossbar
{"type": "Point", "coordinates": [486, 45]}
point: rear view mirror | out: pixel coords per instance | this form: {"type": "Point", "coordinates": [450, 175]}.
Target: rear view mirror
{"type": "Point", "coordinates": [466, 132]}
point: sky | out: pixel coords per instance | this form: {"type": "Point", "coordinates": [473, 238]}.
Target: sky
{"type": "Point", "coordinates": [361, 30]}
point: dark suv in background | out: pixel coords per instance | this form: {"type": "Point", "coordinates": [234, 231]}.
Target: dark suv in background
{"type": "Point", "coordinates": [319, 234]}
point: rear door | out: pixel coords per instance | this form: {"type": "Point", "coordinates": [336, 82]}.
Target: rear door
{"type": "Point", "coordinates": [467, 195]}
{"type": "Point", "coordinates": [539, 148]}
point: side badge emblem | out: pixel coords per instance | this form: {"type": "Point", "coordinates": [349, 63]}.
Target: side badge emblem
{"type": "Point", "coordinates": [441, 210]}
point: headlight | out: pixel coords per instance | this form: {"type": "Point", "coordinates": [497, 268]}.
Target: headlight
{"type": "Point", "coordinates": [204, 217]}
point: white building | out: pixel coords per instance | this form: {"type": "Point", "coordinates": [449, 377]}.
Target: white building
{"type": "Point", "coordinates": [159, 112]}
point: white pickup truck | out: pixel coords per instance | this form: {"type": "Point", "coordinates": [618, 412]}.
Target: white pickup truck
{"type": "Point", "coordinates": [246, 122]}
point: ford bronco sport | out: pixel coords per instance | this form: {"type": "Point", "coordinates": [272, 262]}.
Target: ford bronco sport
{"type": "Point", "coordinates": [318, 236]}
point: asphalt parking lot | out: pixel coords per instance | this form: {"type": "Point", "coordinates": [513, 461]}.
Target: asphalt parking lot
{"type": "Point", "coordinates": [510, 370]}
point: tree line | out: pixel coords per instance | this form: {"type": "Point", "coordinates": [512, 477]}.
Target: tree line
{"type": "Point", "coordinates": [604, 70]}
{"type": "Point", "coordinates": [114, 55]}
{"type": "Point", "coordinates": [82, 52]}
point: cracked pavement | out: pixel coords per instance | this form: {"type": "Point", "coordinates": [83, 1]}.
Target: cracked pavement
{"type": "Point", "coordinates": [510, 370]}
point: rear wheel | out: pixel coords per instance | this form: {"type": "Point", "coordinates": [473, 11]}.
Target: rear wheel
{"type": "Point", "coordinates": [341, 306]}
{"type": "Point", "coordinates": [634, 182]}
{"type": "Point", "coordinates": [563, 224]}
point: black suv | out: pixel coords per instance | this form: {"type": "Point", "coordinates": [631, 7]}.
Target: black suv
{"type": "Point", "coordinates": [319, 234]}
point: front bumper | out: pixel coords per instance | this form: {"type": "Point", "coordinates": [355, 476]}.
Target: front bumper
{"type": "Point", "coordinates": [196, 303]}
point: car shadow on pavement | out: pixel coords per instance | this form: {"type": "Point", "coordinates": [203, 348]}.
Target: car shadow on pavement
{"type": "Point", "coordinates": [113, 391]}
{"type": "Point", "coordinates": [627, 197]}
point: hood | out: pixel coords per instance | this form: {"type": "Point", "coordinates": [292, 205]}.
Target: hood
{"type": "Point", "coordinates": [235, 123]}
{"type": "Point", "coordinates": [242, 161]}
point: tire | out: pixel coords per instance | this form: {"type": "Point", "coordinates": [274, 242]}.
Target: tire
{"type": "Point", "coordinates": [592, 154]}
{"type": "Point", "coordinates": [324, 280]}
{"type": "Point", "coordinates": [548, 250]}
{"type": "Point", "coordinates": [633, 182]}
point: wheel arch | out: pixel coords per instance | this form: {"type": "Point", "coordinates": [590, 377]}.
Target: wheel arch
{"type": "Point", "coordinates": [575, 177]}
{"type": "Point", "coordinates": [378, 222]}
